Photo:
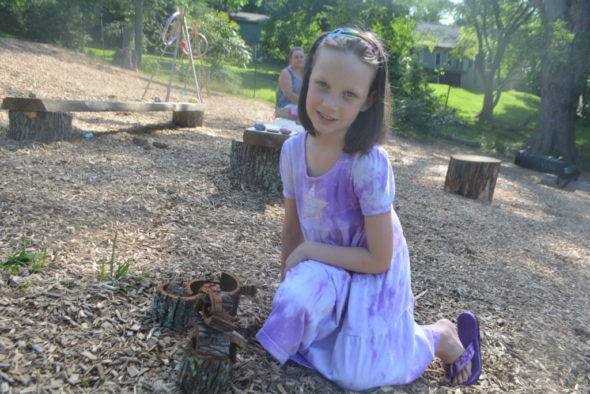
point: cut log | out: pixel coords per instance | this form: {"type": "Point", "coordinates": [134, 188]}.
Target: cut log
{"type": "Point", "coordinates": [265, 139]}
{"type": "Point", "coordinates": [187, 118]}
{"type": "Point", "coordinates": [173, 308]}
{"type": "Point", "coordinates": [472, 176]}
{"type": "Point", "coordinates": [40, 126]}
{"type": "Point", "coordinates": [206, 363]}
{"type": "Point", "coordinates": [565, 171]}
{"type": "Point", "coordinates": [212, 302]}
{"type": "Point", "coordinates": [256, 165]}
{"type": "Point", "coordinates": [48, 120]}
{"type": "Point", "coordinates": [23, 104]}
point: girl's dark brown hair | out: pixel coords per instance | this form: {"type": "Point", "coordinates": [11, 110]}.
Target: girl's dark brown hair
{"type": "Point", "coordinates": [371, 126]}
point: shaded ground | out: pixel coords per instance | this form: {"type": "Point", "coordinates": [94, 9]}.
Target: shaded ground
{"type": "Point", "coordinates": [521, 263]}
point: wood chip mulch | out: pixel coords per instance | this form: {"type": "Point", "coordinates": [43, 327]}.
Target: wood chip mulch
{"type": "Point", "coordinates": [521, 263]}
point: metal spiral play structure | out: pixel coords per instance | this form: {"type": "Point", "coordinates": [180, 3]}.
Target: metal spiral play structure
{"type": "Point", "coordinates": [182, 44]}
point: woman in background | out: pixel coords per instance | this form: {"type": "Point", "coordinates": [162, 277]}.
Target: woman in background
{"type": "Point", "coordinates": [290, 84]}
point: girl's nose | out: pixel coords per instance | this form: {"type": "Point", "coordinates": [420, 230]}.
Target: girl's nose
{"type": "Point", "coordinates": [329, 101]}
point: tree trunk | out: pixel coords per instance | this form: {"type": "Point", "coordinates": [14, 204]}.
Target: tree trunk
{"type": "Point", "coordinates": [138, 31]}
{"type": "Point", "coordinates": [126, 58]}
{"type": "Point", "coordinates": [40, 126]}
{"type": "Point", "coordinates": [487, 111]}
{"type": "Point", "coordinates": [494, 22]}
{"type": "Point", "coordinates": [562, 77]}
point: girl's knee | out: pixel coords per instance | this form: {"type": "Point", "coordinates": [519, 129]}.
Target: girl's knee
{"type": "Point", "coordinates": [308, 286]}
{"type": "Point", "coordinates": [308, 274]}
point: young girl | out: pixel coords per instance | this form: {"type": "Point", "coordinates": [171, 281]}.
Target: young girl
{"type": "Point", "coordinates": [345, 307]}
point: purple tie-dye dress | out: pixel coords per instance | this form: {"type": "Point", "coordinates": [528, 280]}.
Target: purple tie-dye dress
{"type": "Point", "coordinates": [356, 329]}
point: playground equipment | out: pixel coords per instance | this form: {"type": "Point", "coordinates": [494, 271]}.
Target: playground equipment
{"type": "Point", "coordinates": [181, 43]}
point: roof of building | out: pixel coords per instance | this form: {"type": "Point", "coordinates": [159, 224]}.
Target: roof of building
{"type": "Point", "coordinates": [441, 36]}
{"type": "Point", "coordinates": [248, 17]}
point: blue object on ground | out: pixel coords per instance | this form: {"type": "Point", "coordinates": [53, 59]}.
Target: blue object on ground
{"type": "Point", "coordinates": [260, 126]}
{"type": "Point", "coordinates": [88, 135]}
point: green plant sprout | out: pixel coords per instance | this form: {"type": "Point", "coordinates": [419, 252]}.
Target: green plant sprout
{"type": "Point", "coordinates": [34, 262]}
{"type": "Point", "coordinates": [30, 283]}
{"type": "Point", "coordinates": [116, 271]}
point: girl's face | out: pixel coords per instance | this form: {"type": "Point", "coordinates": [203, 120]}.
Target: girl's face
{"type": "Point", "coordinates": [338, 90]}
{"type": "Point", "coordinates": [297, 59]}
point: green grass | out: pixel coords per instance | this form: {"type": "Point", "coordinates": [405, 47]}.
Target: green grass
{"type": "Point", "coordinates": [260, 83]}
{"type": "Point", "coordinates": [514, 109]}
{"type": "Point", "coordinates": [514, 121]}
{"type": "Point", "coordinates": [104, 54]}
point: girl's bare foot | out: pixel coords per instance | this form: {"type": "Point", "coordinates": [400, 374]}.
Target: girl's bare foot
{"type": "Point", "coordinates": [449, 349]}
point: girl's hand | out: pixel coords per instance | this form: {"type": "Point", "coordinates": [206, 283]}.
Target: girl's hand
{"type": "Point", "coordinates": [297, 256]}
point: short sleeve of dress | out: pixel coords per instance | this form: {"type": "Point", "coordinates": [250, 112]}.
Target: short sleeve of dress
{"type": "Point", "coordinates": [373, 182]}
{"type": "Point", "coordinates": [286, 169]}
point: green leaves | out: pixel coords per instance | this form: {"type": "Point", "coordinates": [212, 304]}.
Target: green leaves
{"type": "Point", "coordinates": [21, 259]}
{"type": "Point", "coordinates": [118, 272]}
{"type": "Point", "coordinates": [225, 41]}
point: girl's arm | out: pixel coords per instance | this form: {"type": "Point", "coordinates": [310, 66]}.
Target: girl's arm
{"type": "Point", "coordinates": [291, 236]}
{"type": "Point", "coordinates": [374, 259]}
{"type": "Point", "coordinates": [285, 84]}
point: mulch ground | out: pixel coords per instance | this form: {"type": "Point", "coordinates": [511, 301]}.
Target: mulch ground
{"type": "Point", "coordinates": [521, 263]}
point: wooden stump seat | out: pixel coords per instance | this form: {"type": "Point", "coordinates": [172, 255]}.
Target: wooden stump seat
{"type": "Point", "coordinates": [472, 176]}
{"type": "Point", "coordinates": [49, 120]}
{"type": "Point", "coordinates": [255, 161]}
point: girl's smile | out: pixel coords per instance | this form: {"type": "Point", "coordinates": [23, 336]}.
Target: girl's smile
{"type": "Point", "coordinates": [339, 87]}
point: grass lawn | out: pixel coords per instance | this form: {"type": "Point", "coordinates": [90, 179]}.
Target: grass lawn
{"type": "Point", "coordinates": [258, 82]}
{"type": "Point", "coordinates": [514, 121]}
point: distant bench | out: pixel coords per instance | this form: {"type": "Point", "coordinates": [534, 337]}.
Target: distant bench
{"type": "Point", "coordinates": [50, 119]}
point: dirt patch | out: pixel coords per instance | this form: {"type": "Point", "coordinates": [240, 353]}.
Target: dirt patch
{"type": "Point", "coordinates": [521, 263]}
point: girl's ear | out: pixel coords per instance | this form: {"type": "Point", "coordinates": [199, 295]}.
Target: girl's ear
{"type": "Point", "coordinates": [369, 101]}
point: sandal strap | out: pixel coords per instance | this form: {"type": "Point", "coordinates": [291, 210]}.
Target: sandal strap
{"type": "Point", "coordinates": [454, 368]}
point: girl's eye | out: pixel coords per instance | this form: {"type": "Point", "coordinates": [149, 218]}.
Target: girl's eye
{"type": "Point", "coordinates": [321, 84]}
{"type": "Point", "coordinates": [350, 94]}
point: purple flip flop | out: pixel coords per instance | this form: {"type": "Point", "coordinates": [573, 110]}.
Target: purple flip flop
{"type": "Point", "coordinates": [468, 328]}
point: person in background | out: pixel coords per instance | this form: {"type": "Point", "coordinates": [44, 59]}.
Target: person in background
{"type": "Point", "coordinates": [290, 84]}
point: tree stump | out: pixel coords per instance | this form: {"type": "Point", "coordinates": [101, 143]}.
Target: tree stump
{"type": "Point", "coordinates": [212, 301]}
{"type": "Point", "coordinates": [214, 342]}
{"type": "Point", "coordinates": [174, 308]}
{"type": "Point", "coordinates": [472, 176]}
{"type": "Point", "coordinates": [40, 126]}
{"type": "Point", "coordinates": [206, 363]}
{"type": "Point", "coordinates": [256, 165]}
{"type": "Point", "coordinates": [187, 118]}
